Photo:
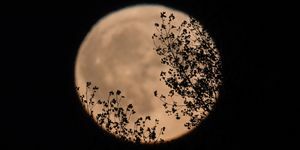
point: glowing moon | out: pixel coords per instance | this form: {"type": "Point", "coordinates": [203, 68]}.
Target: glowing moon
{"type": "Point", "coordinates": [118, 54]}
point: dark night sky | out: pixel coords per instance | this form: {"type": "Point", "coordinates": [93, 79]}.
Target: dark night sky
{"type": "Point", "coordinates": [39, 106]}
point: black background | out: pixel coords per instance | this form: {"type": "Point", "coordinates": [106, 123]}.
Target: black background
{"type": "Point", "coordinates": [40, 108]}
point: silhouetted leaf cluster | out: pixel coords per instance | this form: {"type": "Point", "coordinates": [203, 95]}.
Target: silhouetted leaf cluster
{"type": "Point", "coordinates": [115, 118]}
{"type": "Point", "coordinates": [194, 67]}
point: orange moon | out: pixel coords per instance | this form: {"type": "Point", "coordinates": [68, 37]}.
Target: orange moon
{"type": "Point", "coordinates": [118, 53]}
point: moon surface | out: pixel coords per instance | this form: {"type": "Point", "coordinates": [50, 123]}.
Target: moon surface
{"type": "Point", "coordinates": [118, 53]}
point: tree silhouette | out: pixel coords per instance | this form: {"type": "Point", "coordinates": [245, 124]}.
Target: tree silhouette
{"type": "Point", "coordinates": [115, 118]}
{"type": "Point", "coordinates": [194, 68]}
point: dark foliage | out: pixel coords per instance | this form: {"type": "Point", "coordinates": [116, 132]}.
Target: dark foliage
{"type": "Point", "coordinates": [115, 118]}
{"type": "Point", "coordinates": [194, 68]}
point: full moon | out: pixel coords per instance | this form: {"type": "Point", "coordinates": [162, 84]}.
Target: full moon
{"type": "Point", "coordinates": [118, 53]}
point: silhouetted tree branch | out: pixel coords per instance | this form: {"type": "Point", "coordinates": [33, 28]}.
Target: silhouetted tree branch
{"type": "Point", "coordinates": [115, 118]}
{"type": "Point", "coordinates": [194, 68]}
